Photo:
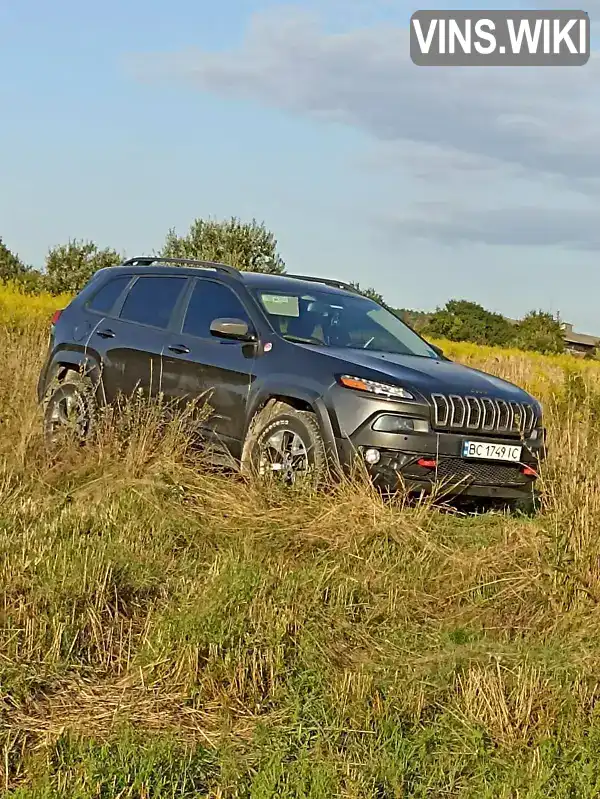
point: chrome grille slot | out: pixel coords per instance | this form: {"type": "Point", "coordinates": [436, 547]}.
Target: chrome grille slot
{"type": "Point", "coordinates": [474, 412]}
{"type": "Point", "coordinates": [441, 409]}
{"type": "Point", "coordinates": [489, 415]}
{"type": "Point", "coordinates": [458, 411]}
{"type": "Point", "coordinates": [484, 414]}
{"type": "Point", "coordinates": [515, 419]}
{"type": "Point", "coordinates": [503, 416]}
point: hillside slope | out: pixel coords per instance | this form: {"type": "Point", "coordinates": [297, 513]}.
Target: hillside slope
{"type": "Point", "coordinates": [168, 632]}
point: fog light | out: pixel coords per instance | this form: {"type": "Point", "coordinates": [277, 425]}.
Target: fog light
{"type": "Point", "coordinates": [372, 456]}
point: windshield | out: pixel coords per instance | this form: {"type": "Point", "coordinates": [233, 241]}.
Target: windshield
{"type": "Point", "coordinates": [337, 320]}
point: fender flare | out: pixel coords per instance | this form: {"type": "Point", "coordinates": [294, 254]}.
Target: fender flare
{"type": "Point", "coordinates": [303, 394]}
{"type": "Point", "coordinates": [82, 362]}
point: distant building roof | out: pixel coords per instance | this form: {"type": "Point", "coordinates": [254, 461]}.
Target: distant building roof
{"type": "Point", "coordinates": [582, 338]}
{"type": "Point", "coordinates": [578, 338]}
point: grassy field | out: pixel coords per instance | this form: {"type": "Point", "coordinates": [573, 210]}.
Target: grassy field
{"type": "Point", "coordinates": [168, 632]}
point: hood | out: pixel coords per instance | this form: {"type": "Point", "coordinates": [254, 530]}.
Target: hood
{"type": "Point", "coordinates": [425, 375]}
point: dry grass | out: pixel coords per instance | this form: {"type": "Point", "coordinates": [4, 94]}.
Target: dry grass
{"type": "Point", "coordinates": [169, 631]}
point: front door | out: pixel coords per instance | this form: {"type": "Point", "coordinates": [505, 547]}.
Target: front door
{"type": "Point", "coordinates": [196, 364]}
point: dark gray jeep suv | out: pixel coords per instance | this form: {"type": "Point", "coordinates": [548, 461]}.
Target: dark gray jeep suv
{"type": "Point", "coordinates": [301, 374]}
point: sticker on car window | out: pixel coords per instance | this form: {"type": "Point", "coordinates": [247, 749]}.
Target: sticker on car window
{"type": "Point", "coordinates": [281, 304]}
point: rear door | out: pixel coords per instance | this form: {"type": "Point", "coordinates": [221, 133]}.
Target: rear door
{"type": "Point", "coordinates": [134, 338]}
{"type": "Point", "coordinates": [197, 364]}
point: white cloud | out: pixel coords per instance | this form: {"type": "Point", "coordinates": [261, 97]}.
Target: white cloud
{"type": "Point", "coordinates": [524, 226]}
{"type": "Point", "coordinates": [467, 133]}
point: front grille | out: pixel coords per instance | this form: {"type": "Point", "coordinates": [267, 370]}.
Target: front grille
{"type": "Point", "coordinates": [455, 413]}
{"type": "Point", "coordinates": [456, 470]}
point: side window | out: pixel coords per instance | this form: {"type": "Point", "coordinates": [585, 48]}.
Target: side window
{"type": "Point", "coordinates": [152, 299]}
{"type": "Point", "coordinates": [104, 299]}
{"type": "Point", "coordinates": [211, 301]}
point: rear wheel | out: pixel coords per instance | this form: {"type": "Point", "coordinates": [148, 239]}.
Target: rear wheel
{"type": "Point", "coordinates": [285, 444]}
{"type": "Point", "coordinates": [70, 409]}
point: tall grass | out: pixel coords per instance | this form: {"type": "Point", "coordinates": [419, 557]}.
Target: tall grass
{"type": "Point", "coordinates": [166, 631]}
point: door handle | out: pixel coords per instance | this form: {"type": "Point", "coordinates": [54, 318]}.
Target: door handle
{"type": "Point", "coordinates": [106, 333]}
{"type": "Point", "coordinates": [180, 348]}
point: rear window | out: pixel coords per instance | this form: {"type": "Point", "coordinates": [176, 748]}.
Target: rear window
{"type": "Point", "coordinates": [152, 300]}
{"type": "Point", "coordinates": [104, 300]}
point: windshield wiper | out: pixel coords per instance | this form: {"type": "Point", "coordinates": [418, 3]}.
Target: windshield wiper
{"type": "Point", "coordinates": [301, 340]}
{"type": "Point", "coordinates": [389, 352]}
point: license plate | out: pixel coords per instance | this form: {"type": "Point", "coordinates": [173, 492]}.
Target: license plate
{"type": "Point", "coordinates": [483, 450]}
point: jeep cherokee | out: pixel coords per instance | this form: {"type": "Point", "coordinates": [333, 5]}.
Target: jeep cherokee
{"type": "Point", "coordinates": [301, 373]}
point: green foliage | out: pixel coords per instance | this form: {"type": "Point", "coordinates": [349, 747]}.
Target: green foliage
{"type": "Point", "coordinates": [541, 332]}
{"type": "Point", "coordinates": [461, 320]}
{"type": "Point", "coordinates": [248, 246]}
{"type": "Point", "coordinates": [15, 272]}
{"type": "Point", "coordinates": [370, 293]}
{"type": "Point", "coordinates": [418, 320]}
{"type": "Point", "coordinates": [11, 267]}
{"type": "Point", "coordinates": [70, 266]}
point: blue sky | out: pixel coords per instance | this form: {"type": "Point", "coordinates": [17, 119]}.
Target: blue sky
{"type": "Point", "coordinates": [124, 119]}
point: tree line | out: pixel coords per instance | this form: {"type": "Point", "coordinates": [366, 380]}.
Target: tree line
{"type": "Point", "coordinates": [250, 246]}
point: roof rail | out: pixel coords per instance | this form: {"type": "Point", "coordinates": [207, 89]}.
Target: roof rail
{"type": "Point", "coordinates": [336, 284]}
{"type": "Point", "coordinates": [148, 260]}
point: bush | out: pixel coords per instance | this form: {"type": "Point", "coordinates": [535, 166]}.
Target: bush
{"type": "Point", "coordinates": [461, 320]}
{"type": "Point", "coordinates": [70, 266]}
{"type": "Point", "coordinates": [541, 332]}
{"type": "Point", "coordinates": [248, 246]}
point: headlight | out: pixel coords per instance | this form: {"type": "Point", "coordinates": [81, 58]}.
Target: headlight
{"type": "Point", "coordinates": [372, 387]}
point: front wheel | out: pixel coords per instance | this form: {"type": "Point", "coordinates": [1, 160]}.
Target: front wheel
{"type": "Point", "coordinates": [285, 444]}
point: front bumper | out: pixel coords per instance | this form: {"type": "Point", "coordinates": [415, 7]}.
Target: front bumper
{"type": "Point", "coordinates": [355, 415]}
{"type": "Point", "coordinates": [430, 462]}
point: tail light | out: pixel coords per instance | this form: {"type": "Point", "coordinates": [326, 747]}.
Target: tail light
{"type": "Point", "coordinates": [55, 317]}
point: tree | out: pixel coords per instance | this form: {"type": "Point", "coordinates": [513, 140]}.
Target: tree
{"type": "Point", "coordinates": [461, 320]}
{"type": "Point", "coordinates": [70, 266]}
{"type": "Point", "coordinates": [418, 320]}
{"type": "Point", "coordinates": [539, 331]}
{"type": "Point", "coordinates": [248, 246]}
{"type": "Point", "coordinates": [11, 267]}
{"type": "Point", "coordinates": [369, 292]}
{"type": "Point", "coordinates": [13, 270]}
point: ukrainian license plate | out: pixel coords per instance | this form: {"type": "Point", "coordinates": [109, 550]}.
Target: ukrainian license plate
{"type": "Point", "coordinates": [483, 450]}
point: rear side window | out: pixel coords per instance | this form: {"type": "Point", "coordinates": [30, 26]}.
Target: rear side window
{"type": "Point", "coordinates": [211, 301]}
{"type": "Point", "coordinates": [104, 299]}
{"type": "Point", "coordinates": [152, 299]}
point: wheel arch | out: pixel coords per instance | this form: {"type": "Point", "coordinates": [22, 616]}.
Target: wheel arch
{"type": "Point", "coordinates": [65, 361]}
{"type": "Point", "coordinates": [300, 398]}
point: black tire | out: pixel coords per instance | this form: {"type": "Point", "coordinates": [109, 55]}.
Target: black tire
{"type": "Point", "coordinates": [528, 506]}
{"type": "Point", "coordinates": [70, 409]}
{"type": "Point", "coordinates": [299, 427]}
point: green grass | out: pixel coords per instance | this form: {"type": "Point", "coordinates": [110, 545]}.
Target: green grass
{"type": "Point", "coordinates": [168, 632]}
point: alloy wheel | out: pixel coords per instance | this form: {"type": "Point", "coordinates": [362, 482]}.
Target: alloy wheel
{"type": "Point", "coordinates": [284, 455]}
{"type": "Point", "coordinates": [67, 414]}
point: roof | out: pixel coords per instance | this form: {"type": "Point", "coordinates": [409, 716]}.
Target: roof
{"type": "Point", "coordinates": [581, 338]}
{"type": "Point", "coordinates": [289, 283]}
{"type": "Point", "coordinates": [189, 267]}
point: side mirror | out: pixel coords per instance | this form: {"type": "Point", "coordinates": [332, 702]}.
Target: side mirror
{"type": "Point", "coordinates": [235, 329]}
{"type": "Point", "coordinates": [437, 349]}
